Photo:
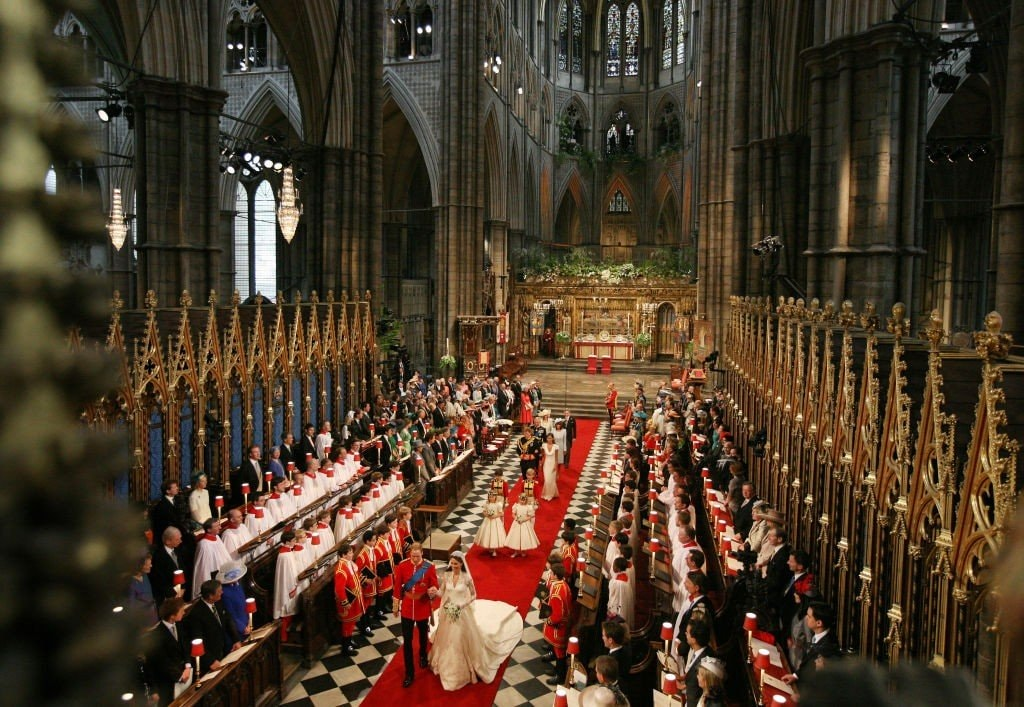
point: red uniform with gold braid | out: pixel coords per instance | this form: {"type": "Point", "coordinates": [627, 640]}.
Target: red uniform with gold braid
{"type": "Point", "coordinates": [348, 595]}
{"type": "Point", "coordinates": [415, 603]}
{"type": "Point", "coordinates": [405, 538]}
{"type": "Point", "coordinates": [383, 564]}
{"type": "Point", "coordinates": [556, 626]}
{"type": "Point", "coordinates": [570, 554]}
{"type": "Point", "coordinates": [367, 565]}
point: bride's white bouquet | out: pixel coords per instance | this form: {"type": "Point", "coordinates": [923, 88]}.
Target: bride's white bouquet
{"type": "Point", "coordinates": [452, 611]}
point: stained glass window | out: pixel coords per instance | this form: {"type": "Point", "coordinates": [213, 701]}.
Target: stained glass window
{"type": "Point", "coordinates": [632, 39]}
{"type": "Point", "coordinates": [618, 204]}
{"type": "Point", "coordinates": [681, 34]}
{"type": "Point", "coordinates": [666, 34]}
{"type": "Point", "coordinates": [563, 37]}
{"type": "Point", "coordinates": [577, 37]}
{"type": "Point", "coordinates": [613, 35]}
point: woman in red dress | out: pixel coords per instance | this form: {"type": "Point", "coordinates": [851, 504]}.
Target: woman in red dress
{"type": "Point", "coordinates": [610, 402]}
{"type": "Point", "coordinates": [525, 409]}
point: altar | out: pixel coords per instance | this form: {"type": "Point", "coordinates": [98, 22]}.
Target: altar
{"type": "Point", "coordinates": [617, 351]}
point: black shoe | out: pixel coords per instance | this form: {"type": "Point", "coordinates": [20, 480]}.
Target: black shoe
{"type": "Point", "coordinates": [367, 631]}
{"type": "Point", "coordinates": [424, 663]}
{"type": "Point", "coordinates": [350, 650]}
{"type": "Point", "coordinates": [376, 624]}
{"type": "Point", "coordinates": [408, 681]}
{"type": "Point", "coordinates": [548, 657]}
{"type": "Point", "coordinates": [553, 681]}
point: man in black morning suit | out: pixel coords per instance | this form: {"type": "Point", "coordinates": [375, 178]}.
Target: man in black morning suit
{"type": "Point", "coordinates": [166, 661]}
{"type": "Point", "coordinates": [288, 450]}
{"type": "Point", "coordinates": [823, 645]}
{"type": "Point", "coordinates": [249, 472]}
{"type": "Point", "coordinates": [210, 621]}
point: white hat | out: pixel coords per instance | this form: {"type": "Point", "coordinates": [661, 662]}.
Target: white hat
{"type": "Point", "coordinates": [231, 572]}
{"type": "Point", "coordinates": [713, 666]}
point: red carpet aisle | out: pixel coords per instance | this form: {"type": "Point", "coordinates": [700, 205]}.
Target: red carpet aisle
{"type": "Point", "coordinates": [500, 578]}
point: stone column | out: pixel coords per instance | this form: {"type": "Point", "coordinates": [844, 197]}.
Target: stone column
{"type": "Point", "coordinates": [1009, 212]}
{"type": "Point", "coordinates": [864, 192]}
{"type": "Point", "coordinates": [178, 217]}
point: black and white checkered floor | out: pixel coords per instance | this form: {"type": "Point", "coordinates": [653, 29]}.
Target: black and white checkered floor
{"type": "Point", "coordinates": [338, 680]}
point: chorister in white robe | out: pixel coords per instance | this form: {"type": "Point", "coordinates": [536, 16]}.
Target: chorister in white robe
{"type": "Point", "coordinates": [235, 538]}
{"type": "Point", "coordinates": [326, 536]}
{"type": "Point", "coordinates": [258, 526]}
{"type": "Point", "coordinates": [210, 555]}
{"type": "Point", "coordinates": [311, 485]}
{"type": "Point", "coordinates": [621, 598]}
{"type": "Point", "coordinates": [328, 479]}
{"type": "Point", "coordinates": [287, 587]}
{"type": "Point", "coordinates": [280, 507]}
{"type": "Point", "coordinates": [366, 507]}
{"type": "Point", "coordinates": [344, 523]}
{"type": "Point", "coordinates": [341, 474]}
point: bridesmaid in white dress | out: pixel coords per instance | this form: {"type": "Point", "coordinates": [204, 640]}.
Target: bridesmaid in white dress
{"type": "Point", "coordinates": [552, 457]}
{"type": "Point", "coordinates": [521, 535]}
{"type": "Point", "coordinates": [473, 636]}
{"type": "Point", "coordinates": [491, 535]}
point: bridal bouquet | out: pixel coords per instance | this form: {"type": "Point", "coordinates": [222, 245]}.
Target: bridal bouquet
{"type": "Point", "coordinates": [452, 611]}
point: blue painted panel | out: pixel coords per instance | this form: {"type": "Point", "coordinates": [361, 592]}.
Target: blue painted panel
{"type": "Point", "coordinates": [343, 410]}
{"type": "Point", "coordinates": [296, 398]}
{"type": "Point", "coordinates": [257, 415]}
{"type": "Point", "coordinates": [187, 443]}
{"type": "Point", "coordinates": [329, 387]}
{"type": "Point", "coordinates": [314, 403]}
{"type": "Point", "coordinates": [236, 428]}
{"type": "Point", "coordinates": [156, 452]}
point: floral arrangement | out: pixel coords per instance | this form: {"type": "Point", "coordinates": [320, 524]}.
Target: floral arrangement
{"type": "Point", "coordinates": [563, 337]}
{"type": "Point", "coordinates": [643, 339]}
{"type": "Point", "coordinates": [664, 263]}
{"type": "Point", "coordinates": [448, 361]}
{"type": "Point", "coordinates": [452, 611]}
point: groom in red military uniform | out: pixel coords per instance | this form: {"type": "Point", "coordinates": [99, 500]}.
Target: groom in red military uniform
{"type": "Point", "coordinates": [556, 626]}
{"type": "Point", "coordinates": [415, 585]}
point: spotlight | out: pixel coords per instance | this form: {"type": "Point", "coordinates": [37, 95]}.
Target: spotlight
{"type": "Point", "coordinates": [111, 110]}
{"type": "Point", "coordinates": [977, 153]}
{"type": "Point", "coordinates": [268, 163]}
{"type": "Point", "coordinates": [230, 169]}
{"type": "Point", "coordinates": [129, 116]}
{"type": "Point", "coordinates": [278, 166]}
{"type": "Point", "coordinates": [956, 154]}
{"type": "Point", "coordinates": [247, 156]}
{"type": "Point", "coordinates": [945, 82]}
{"type": "Point", "coordinates": [428, 29]}
{"type": "Point", "coordinates": [300, 174]}
{"type": "Point", "coordinates": [246, 172]}
{"type": "Point", "coordinates": [419, 30]}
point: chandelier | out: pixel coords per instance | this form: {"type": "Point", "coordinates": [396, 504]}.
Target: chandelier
{"type": "Point", "coordinates": [290, 210]}
{"type": "Point", "coordinates": [116, 226]}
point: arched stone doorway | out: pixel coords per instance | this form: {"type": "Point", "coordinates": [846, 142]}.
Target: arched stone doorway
{"type": "Point", "coordinates": [665, 335]}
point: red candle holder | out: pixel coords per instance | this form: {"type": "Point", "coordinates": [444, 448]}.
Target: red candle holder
{"type": "Point", "coordinates": [258, 511]}
{"type": "Point", "coordinates": [561, 697]}
{"type": "Point", "coordinates": [315, 537]}
{"type": "Point", "coordinates": [669, 685]}
{"type": "Point", "coordinates": [652, 517]}
{"type": "Point", "coordinates": [595, 510]}
{"type": "Point", "coordinates": [179, 577]}
{"type": "Point", "coordinates": [245, 489]}
{"type": "Point", "coordinates": [655, 545]}
{"type": "Point", "coordinates": [573, 648]}
{"type": "Point", "coordinates": [197, 652]}
{"type": "Point", "coordinates": [588, 533]}
{"type": "Point", "coordinates": [705, 473]}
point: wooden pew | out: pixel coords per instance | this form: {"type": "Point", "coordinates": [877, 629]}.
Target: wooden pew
{"type": "Point", "coordinates": [254, 679]}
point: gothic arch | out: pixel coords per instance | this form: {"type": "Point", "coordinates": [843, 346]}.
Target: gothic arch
{"type": "Point", "coordinates": [513, 191]}
{"type": "Point", "coordinates": [666, 231]}
{"type": "Point", "coordinates": [267, 95]}
{"type": "Point", "coordinates": [396, 90]}
{"type": "Point", "coordinates": [496, 208]}
{"type": "Point", "coordinates": [619, 183]}
{"type": "Point", "coordinates": [574, 223]}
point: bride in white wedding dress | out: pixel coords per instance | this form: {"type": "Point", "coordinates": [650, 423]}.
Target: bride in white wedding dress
{"type": "Point", "coordinates": [473, 636]}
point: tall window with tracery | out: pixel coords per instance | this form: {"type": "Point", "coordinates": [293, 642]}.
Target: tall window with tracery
{"type": "Point", "coordinates": [613, 40]}
{"type": "Point", "coordinates": [570, 36]}
{"type": "Point", "coordinates": [255, 241]}
{"type": "Point", "coordinates": [620, 138]}
{"type": "Point", "coordinates": [563, 37]}
{"type": "Point", "coordinates": [246, 34]}
{"type": "Point", "coordinates": [681, 33]}
{"type": "Point", "coordinates": [667, 17]}
{"type": "Point", "coordinates": [632, 40]}
{"type": "Point", "coordinates": [618, 203]}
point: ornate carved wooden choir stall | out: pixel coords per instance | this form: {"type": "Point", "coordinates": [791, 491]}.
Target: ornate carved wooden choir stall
{"type": "Point", "coordinates": [895, 461]}
{"type": "Point", "coordinates": [199, 386]}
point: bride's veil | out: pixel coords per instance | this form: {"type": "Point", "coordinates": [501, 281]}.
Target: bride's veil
{"type": "Point", "coordinates": [461, 557]}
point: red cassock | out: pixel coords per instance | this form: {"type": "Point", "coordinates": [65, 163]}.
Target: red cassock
{"type": "Point", "coordinates": [556, 626]}
{"type": "Point", "coordinates": [415, 601]}
{"type": "Point", "coordinates": [500, 487]}
{"type": "Point", "coordinates": [367, 565]}
{"type": "Point", "coordinates": [385, 568]}
{"type": "Point", "coordinates": [348, 595]}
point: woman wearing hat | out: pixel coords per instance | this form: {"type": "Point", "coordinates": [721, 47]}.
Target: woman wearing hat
{"type": "Point", "coordinates": [233, 596]}
{"type": "Point", "coordinates": [711, 678]}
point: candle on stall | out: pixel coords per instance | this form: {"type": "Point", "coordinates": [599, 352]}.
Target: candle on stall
{"type": "Point", "coordinates": [669, 686]}
{"type": "Point", "coordinates": [588, 533]}
{"type": "Point", "coordinates": [258, 511]}
{"type": "Point", "coordinates": [561, 697]}
{"type": "Point", "coordinates": [595, 510]}
{"type": "Point", "coordinates": [197, 652]}
{"type": "Point", "coordinates": [779, 700]}
{"type": "Point", "coordinates": [655, 545]}
{"type": "Point", "coordinates": [218, 502]}
{"type": "Point", "coordinates": [245, 489]}
{"type": "Point", "coordinates": [600, 490]}
{"type": "Point", "coordinates": [250, 609]}
{"type": "Point", "coordinates": [652, 517]}
{"type": "Point", "coordinates": [705, 473]}
{"type": "Point", "coordinates": [373, 429]}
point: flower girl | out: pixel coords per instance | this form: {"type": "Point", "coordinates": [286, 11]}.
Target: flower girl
{"type": "Point", "coordinates": [521, 536]}
{"type": "Point", "coordinates": [491, 535]}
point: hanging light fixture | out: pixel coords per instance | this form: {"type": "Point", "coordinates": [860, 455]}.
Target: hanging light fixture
{"type": "Point", "coordinates": [116, 226]}
{"type": "Point", "coordinates": [290, 210]}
